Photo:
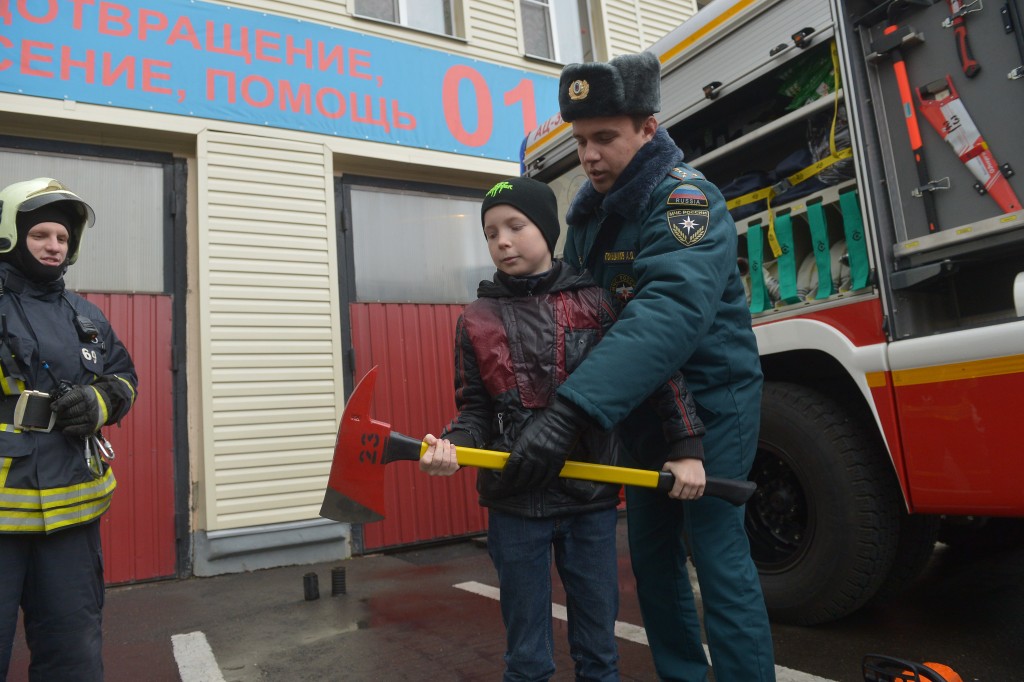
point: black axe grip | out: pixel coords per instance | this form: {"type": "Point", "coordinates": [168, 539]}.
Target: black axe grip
{"type": "Point", "coordinates": [732, 491]}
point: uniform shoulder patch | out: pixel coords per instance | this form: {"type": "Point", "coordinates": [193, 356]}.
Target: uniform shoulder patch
{"type": "Point", "coordinates": [686, 194]}
{"type": "Point", "coordinates": [685, 174]}
{"type": "Point", "coordinates": [688, 215]}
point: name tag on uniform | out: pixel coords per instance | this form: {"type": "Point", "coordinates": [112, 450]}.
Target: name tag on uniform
{"type": "Point", "coordinates": [619, 256]}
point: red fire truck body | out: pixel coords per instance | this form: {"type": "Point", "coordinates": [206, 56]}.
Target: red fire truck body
{"type": "Point", "coordinates": [886, 289]}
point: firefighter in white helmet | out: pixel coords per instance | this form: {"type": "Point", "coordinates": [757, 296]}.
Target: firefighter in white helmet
{"type": "Point", "coordinates": [64, 375]}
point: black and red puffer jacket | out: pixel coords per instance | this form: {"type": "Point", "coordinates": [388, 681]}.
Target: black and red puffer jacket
{"type": "Point", "coordinates": [514, 346]}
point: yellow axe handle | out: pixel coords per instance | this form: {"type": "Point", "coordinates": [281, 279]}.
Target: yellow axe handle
{"type": "Point", "coordinates": [602, 473]}
{"type": "Point", "coordinates": [732, 491]}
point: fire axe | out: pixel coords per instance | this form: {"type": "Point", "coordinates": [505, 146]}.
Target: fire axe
{"type": "Point", "coordinates": [355, 488]}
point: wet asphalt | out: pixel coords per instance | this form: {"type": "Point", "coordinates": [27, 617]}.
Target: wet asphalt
{"type": "Point", "coordinates": [428, 614]}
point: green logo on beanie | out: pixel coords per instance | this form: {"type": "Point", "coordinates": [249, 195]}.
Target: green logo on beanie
{"type": "Point", "coordinates": [497, 189]}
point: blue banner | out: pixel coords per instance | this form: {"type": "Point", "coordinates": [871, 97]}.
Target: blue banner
{"type": "Point", "coordinates": [198, 59]}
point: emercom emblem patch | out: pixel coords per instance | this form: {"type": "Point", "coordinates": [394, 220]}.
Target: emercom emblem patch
{"type": "Point", "coordinates": [688, 225]}
{"type": "Point", "coordinates": [622, 287]}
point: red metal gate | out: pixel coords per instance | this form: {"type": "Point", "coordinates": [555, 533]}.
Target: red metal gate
{"type": "Point", "coordinates": [413, 345]}
{"type": "Point", "coordinates": [138, 532]}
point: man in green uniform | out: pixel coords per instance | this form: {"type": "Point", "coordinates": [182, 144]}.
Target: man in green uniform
{"type": "Point", "coordinates": [656, 233]}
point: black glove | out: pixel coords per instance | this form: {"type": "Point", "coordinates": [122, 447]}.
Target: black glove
{"type": "Point", "coordinates": [539, 453]}
{"type": "Point", "coordinates": [81, 411]}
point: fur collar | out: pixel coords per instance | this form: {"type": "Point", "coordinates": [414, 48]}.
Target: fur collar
{"type": "Point", "coordinates": [629, 195]}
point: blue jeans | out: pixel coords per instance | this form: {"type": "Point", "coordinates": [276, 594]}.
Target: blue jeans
{"type": "Point", "coordinates": [584, 553]}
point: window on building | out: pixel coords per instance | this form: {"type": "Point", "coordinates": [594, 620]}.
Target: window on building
{"type": "Point", "coordinates": [558, 30]}
{"type": "Point", "coordinates": [413, 246]}
{"type": "Point", "coordinates": [435, 16]}
{"type": "Point", "coordinates": [125, 252]}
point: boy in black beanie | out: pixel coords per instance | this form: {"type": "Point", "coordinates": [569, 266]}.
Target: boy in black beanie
{"type": "Point", "coordinates": [528, 329]}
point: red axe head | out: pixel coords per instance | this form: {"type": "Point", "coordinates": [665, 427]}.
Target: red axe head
{"type": "Point", "coordinates": [355, 489]}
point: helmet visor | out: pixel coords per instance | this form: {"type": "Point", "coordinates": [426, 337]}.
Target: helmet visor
{"type": "Point", "coordinates": [84, 211]}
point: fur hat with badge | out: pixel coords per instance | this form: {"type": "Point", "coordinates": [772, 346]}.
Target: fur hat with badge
{"type": "Point", "coordinates": [629, 84]}
{"type": "Point", "coordinates": [533, 198]}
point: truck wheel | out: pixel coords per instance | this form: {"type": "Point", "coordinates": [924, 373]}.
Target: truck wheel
{"type": "Point", "coordinates": [824, 522]}
{"type": "Point", "coordinates": [918, 534]}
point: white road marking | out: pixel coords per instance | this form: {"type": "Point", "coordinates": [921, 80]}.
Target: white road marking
{"type": "Point", "coordinates": [196, 662]}
{"type": "Point", "coordinates": [634, 633]}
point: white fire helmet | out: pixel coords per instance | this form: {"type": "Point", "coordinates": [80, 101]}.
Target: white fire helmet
{"type": "Point", "coordinates": [27, 196]}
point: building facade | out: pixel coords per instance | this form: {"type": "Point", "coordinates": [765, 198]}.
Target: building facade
{"type": "Point", "coordinates": [287, 194]}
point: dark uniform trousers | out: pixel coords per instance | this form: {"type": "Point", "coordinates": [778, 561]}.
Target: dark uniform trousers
{"type": "Point", "coordinates": [58, 579]}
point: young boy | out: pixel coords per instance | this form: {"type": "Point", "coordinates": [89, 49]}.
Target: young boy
{"type": "Point", "coordinates": [527, 330]}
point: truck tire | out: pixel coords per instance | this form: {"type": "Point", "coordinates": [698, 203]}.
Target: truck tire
{"type": "Point", "coordinates": [918, 534]}
{"type": "Point", "coordinates": [824, 522]}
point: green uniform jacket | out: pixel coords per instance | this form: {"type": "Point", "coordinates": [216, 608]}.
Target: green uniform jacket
{"type": "Point", "coordinates": [663, 241]}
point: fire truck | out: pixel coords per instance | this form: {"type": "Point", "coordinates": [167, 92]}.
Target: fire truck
{"type": "Point", "coordinates": [867, 153]}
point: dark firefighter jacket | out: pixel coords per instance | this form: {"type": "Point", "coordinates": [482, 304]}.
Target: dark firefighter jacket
{"type": "Point", "coordinates": [663, 239]}
{"type": "Point", "coordinates": [45, 484]}
{"type": "Point", "coordinates": [514, 346]}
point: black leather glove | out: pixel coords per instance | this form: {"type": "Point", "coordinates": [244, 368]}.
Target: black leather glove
{"type": "Point", "coordinates": [81, 411]}
{"type": "Point", "coordinates": [539, 453]}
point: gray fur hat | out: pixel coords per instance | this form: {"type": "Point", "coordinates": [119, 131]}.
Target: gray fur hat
{"type": "Point", "coordinates": [629, 84]}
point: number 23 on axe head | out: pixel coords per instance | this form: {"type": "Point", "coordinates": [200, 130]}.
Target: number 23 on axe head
{"type": "Point", "coordinates": [355, 488]}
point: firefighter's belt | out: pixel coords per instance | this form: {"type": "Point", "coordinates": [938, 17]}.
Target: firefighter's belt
{"type": "Point", "coordinates": [27, 411]}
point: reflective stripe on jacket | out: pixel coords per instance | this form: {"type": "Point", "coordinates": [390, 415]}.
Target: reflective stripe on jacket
{"type": "Point", "coordinates": [45, 511]}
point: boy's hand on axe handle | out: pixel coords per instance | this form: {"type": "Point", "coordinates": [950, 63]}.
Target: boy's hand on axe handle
{"type": "Point", "coordinates": [689, 478]}
{"type": "Point", "coordinates": [439, 458]}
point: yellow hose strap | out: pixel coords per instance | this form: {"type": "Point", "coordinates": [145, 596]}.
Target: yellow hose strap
{"type": "Point", "coordinates": [750, 197]}
{"type": "Point", "coordinates": [818, 166]}
{"type": "Point", "coordinates": [772, 191]}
